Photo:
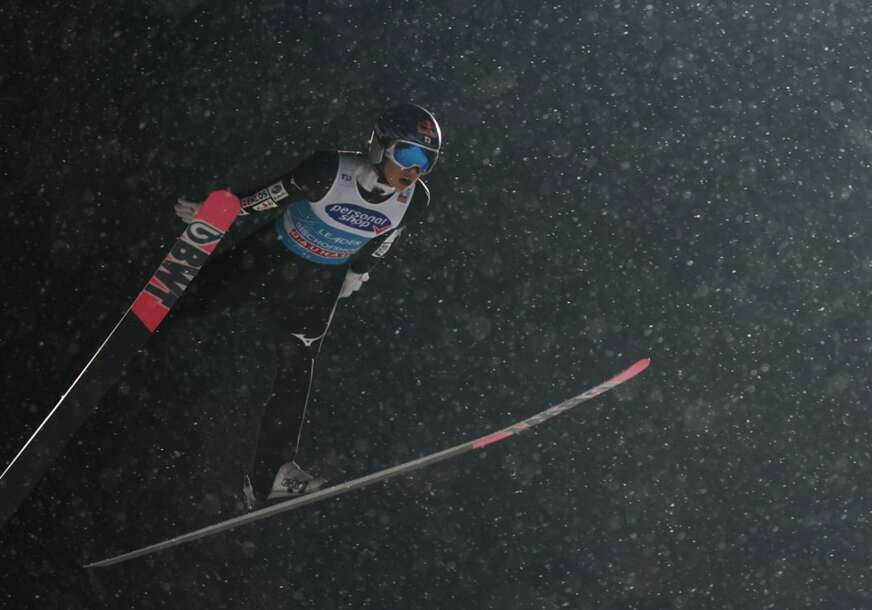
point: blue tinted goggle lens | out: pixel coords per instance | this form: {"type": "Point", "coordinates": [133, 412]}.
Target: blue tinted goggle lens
{"type": "Point", "coordinates": [409, 155]}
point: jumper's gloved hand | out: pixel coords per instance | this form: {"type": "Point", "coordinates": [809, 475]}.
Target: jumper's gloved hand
{"type": "Point", "coordinates": [187, 209]}
{"type": "Point", "coordinates": [353, 282]}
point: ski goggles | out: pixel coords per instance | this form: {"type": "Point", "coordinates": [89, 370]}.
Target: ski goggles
{"type": "Point", "coordinates": [408, 155]}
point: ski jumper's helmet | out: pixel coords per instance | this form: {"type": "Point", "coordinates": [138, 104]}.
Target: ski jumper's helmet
{"type": "Point", "coordinates": [408, 135]}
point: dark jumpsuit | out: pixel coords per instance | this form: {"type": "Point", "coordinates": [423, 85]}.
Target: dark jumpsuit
{"type": "Point", "coordinates": [281, 295]}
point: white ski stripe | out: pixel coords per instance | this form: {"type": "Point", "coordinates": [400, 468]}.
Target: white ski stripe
{"type": "Point", "coordinates": [63, 397]}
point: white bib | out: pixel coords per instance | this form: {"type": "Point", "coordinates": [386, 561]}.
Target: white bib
{"type": "Point", "coordinates": [332, 229]}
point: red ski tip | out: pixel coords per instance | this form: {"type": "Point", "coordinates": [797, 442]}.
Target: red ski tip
{"type": "Point", "coordinates": [631, 372]}
{"type": "Point", "coordinates": [220, 209]}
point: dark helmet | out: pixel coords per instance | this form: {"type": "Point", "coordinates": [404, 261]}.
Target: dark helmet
{"type": "Point", "coordinates": [409, 124]}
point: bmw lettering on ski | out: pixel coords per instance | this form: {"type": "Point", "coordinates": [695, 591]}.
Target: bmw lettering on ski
{"type": "Point", "coordinates": [359, 218]}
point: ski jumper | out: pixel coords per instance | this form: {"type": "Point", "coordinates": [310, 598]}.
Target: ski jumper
{"type": "Point", "coordinates": [284, 263]}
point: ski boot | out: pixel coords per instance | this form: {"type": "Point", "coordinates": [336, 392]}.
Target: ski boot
{"type": "Point", "coordinates": [292, 481]}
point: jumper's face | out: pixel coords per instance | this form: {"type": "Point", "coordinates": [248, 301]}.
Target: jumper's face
{"type": "Point", "coordinates": [399, 178]}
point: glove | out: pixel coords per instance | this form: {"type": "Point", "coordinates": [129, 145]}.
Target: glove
{"type": "Point", "coordinates": [353, 282]}
{"type": "Point", "coordinates": [187, 209]}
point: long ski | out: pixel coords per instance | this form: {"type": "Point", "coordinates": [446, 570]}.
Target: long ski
{"type": "Point", "coordinates": [148, 310]}
{"type": "Point", "coordinates": [382, 475]}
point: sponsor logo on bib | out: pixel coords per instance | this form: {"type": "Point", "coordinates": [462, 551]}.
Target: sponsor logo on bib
{"type": "Point", "coordinates": [358, 217]}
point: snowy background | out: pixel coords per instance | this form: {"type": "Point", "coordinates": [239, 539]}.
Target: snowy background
{"type": "Point", "coordinates": [687, 181]}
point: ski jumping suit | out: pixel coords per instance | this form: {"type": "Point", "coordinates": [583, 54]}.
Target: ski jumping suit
{"type": "Point", "coordinates": [285, 261]}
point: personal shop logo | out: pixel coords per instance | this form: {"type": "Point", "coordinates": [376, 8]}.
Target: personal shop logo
{"type": "Point", "coordinates": [359, 218]}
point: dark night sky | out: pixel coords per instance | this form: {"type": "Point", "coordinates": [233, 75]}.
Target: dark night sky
{"type": "Point", "coordinates": [686, 181]}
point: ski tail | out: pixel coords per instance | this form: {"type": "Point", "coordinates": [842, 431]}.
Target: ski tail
{"type": "Point", "coordinates": [382, 475]}
{"type": "Point", "coordinates": [181, 264]}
